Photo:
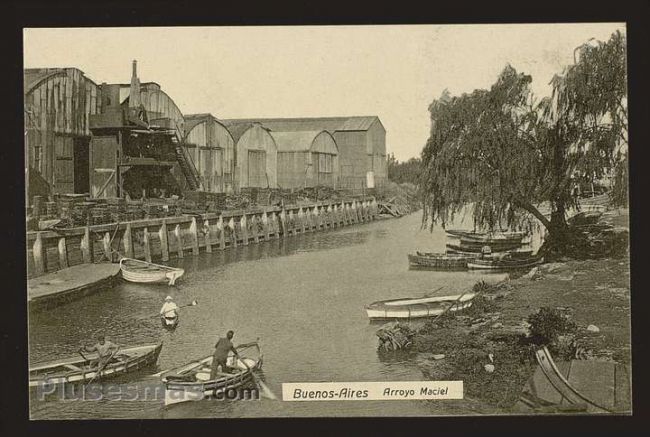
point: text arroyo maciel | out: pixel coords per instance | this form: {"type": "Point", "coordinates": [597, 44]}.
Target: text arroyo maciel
{"type": "Point", "coordinates": [371, 391]}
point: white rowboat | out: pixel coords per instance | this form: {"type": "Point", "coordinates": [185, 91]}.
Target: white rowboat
{"type": "Point", "coordinates": [134, 270]}
{"type": "Point", "coordinates": [410, 308]}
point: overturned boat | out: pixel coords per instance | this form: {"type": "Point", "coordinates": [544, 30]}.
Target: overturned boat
{"type": "Point", "coordinates": [142, 272]}
{"type": "Point", "coordinates": [410, 308]}
{"type": "Point", "coordinates": [81, 370]}
{"type": "Point", "coordinates": [191, 381]}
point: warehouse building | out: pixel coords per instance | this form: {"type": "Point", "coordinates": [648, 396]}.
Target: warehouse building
{"type": "Point", "coordinates": [58, 103]}
{"type": "Point", "coordinates": [211, 147]}
{"type": "Point", "coordinates": [136, 143]}
{"type": "Point", "coordinates": [306, 159]}
{"type": "Point", "coordinates": [256, 156]}
{"type": "Point", "coordinates": [361, 142]}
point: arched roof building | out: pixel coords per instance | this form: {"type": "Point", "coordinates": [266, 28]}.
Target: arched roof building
{"type": "Point", "coordinates": [306, 159]}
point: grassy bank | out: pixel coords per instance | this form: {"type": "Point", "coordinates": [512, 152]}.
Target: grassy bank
{"type": "Point", "coordinates": [495, 331]}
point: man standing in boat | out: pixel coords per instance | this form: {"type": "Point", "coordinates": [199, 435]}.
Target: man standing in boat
{"type": "Point", "coordinates": [169, 308]}
{"type": "Point", "coordinates": [221, 349]}
{"type": "Point", "coordinates": [105, 350]}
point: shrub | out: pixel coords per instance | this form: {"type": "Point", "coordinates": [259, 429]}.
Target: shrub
{"type": "Point", "coordinates": [547, 324]}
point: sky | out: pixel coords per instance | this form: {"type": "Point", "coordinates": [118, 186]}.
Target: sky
{"type": "Point", "coordinates": [393, 72]}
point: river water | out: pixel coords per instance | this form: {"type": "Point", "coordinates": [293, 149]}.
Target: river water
{"type": "Point", "coordinates": [304, 298]}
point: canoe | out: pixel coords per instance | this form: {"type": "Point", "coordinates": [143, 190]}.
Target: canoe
{"type": "Point", "coordinates": [506, 263]}
{"type": "Point", "coordinates": [411, 308]}
{"type": "Point", "coordinates": [191, 382]}
{"type": "Point", "coordinates": [142, 272]}
{"type": "Point", "coordinates": [439, 261]}
{"type": "Point", "coordinates": [169, 322]}
{"type": "Point", "coordinates": [78, 370]}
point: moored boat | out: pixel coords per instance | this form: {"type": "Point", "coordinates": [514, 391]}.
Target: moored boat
{"type": "Point", "coordinates": [504, 263]}
{"type": "Point", "coordinates": [192, 381]}
{"type": "Point", "coordinates": [466, 249]}
{"type": "Point", "coordinates": [134, 270]}
{"type": "Point", "coordinates": [79, 369]}
{"type": "Point", "coordinates": [410, 308]}
{"type": "Point", "coordinates": [518, 253]}
{"type": "Point", "coordinates": [439, 261]}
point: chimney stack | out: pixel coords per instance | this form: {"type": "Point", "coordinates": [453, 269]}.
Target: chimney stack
{"type": "Point", "coordinates": [134, 92]}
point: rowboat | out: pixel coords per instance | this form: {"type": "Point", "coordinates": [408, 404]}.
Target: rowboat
{"type": "Point", "coordinates": [505, 263]}
{"type": "Point", "coordinates": [497, 237]}
{"type": "Point", "coordinates": [461, 232]}
{"type": "Point", "coordinates": [134, 270]}
{"type": "Point", "coordinates": [439, 261]}
{"type": "Point", "coordinates": [169, 322]}
{"type": "Point", "coordinates": [191, 382]}
{"type": "Point", "coordinates": [79, 370]}
{"type": "Point", "coordinates": [411, 308]}
{"type": "Point", "coordinates": [465, 249]}
{"type": "Point", "coordinates": [518, 253]}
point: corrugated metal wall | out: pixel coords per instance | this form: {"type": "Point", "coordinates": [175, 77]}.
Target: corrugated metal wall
{"type": "Point", "coordinates": [212, 149]}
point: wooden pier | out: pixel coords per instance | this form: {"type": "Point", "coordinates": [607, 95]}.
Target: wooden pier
{"type": "Point", "coordinates": [164, 238]}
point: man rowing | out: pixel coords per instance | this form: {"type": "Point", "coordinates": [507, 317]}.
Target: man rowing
{"type": "Point", "coordinates": [105, 350]}
{"type": "Point", "coordinates": [169, 308]}
{"type": "Point", "coordinates": [221, 350]}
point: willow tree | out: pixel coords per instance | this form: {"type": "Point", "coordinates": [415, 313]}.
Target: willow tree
{"type": "Point", "coordinates": [504, 155]}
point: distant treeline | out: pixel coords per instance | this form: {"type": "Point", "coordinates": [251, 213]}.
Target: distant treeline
{"type": "Point", "coordinates": [407, 171]}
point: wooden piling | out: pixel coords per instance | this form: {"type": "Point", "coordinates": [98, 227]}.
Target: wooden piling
{"type": "Point", "coordinates": [243, 224]}
{"type": "Point", "coordinates": [63, 253]}
{"type": "Point", "coordinates": [179, 241]}
{"type": "Point", "coordinates": [194, 236]}
{"type": "Point", "coordinates": [86, 246]}
{"type": "Point", "coordinates": [108, 253]}
{"type": "Point", "coordinates": [276, 227]}
{"type": "Point", "coordinates": [222, 236]}
{"type": "Point", "coordinates": [39, 259]}
{"type": "Point", "coordinates": [147, 245]}
{"type": "Point", "coordinates": [291, 224]}
{"type": "Point", "coordinates": [164, 240]}
{"type": "Point", "coordinates": [233, 232]}
{"type": "Point", "coordinates": [283, 223]}
{"type": "Point", "coordinates": [255, 228]}
{"type": "Point", "coordinates": [208, 241]}
{"type": "Point", "coordinates": [265, 226]}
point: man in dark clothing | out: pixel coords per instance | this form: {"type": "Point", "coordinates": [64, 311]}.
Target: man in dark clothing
{"type": "Point", "coordinates": [221, 350]}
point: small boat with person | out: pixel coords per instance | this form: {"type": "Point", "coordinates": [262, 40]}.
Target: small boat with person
{"type": "Point", "coordinates": [192, 381]}
{"type": "Point", "coordinates": [411, 307]}
{"type": "Point", "coordinates": [143, 272]}
{"type": "Point", "coordinates": [169, 321]}
{"type": "Point", "coordinates": [82, 369]}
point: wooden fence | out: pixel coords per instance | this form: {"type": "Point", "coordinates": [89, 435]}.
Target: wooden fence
{"type": "Point", "coordinates": [162, 238]}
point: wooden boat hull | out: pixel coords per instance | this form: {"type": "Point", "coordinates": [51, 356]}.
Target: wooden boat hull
{"type": "Point", "coordinates": [411, 308]}
{"type": "Point", "coordinates": [437, 261]}
{"type": "Point", "coordinates": [76, 370]}
{"type": "Point", "coordinates": [169, 322]}
{"type": "Point", "coordinates": [192, 381]}
{"type": "Point", "coordinates": [504, 264]}
{"type": "Point", "coordinates": [142, 272]}
{"type": "Point", "coordinates": [478, 249]}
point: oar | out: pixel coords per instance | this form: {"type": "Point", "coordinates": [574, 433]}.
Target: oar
{"type": "Point", "coordinates": [266, 391]}
{"type": "Point", "coordinates": [431, 292]}
{"type": "Point", "coordinates": [100, 369]}
{"type": "Point", "coordinates": [191, 304]}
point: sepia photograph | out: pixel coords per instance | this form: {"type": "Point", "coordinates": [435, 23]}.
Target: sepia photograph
{"type": "Point", "coordinates": [327, 221]}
